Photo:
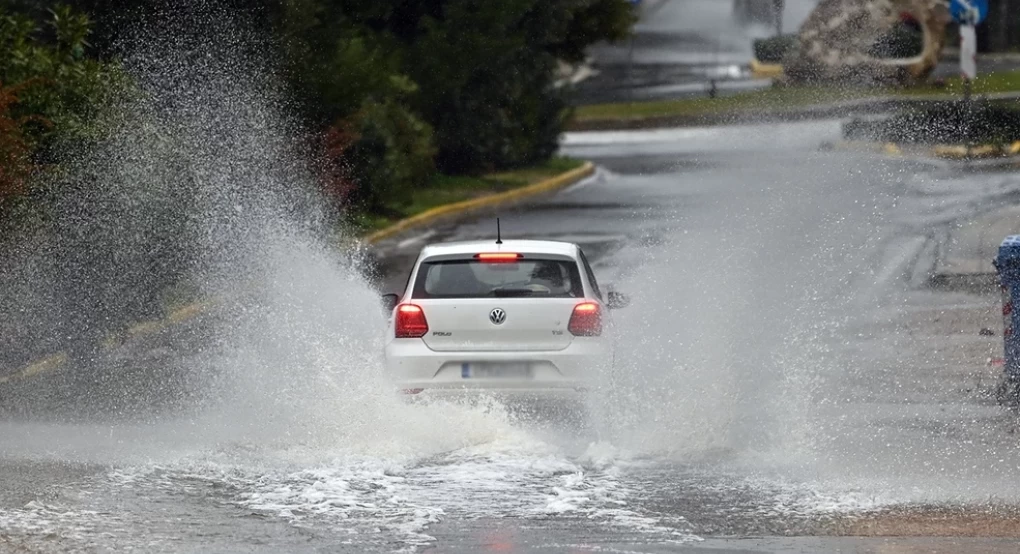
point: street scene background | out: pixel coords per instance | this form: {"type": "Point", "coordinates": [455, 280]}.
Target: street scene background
{"type": "Point", "coordinates": [200, 207]}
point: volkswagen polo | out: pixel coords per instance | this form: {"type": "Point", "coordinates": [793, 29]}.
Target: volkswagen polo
{"type": "Point", "coordinates": [515, 316]}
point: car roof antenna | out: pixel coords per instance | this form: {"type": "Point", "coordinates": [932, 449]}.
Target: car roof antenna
{"type": "Point", "coordinates": [499, 237]}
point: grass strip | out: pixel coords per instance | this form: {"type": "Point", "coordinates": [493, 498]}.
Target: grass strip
{"type": "Point", "coordinates": [446, 189]}
{"type": "Point", "coordinates": [785, 97]}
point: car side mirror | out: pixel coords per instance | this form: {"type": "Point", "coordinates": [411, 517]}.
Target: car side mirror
{"type": "Point", "coordinates": [616, 300]}
{"type": "Point", "coordinates": [389, 301]}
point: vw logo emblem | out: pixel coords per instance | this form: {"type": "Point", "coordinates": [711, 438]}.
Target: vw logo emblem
{"type": "Point", "coordinates": [497, 316]}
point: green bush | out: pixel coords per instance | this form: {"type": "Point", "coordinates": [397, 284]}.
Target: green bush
{"type": "Point", "coordinates": [376, 148]}
{"type": "Point", "coordinates": [391, 155]}
{"type": "Point", "coordinates": [61, 87]}
{"type": "Point", "coordinates": [980, 122]}
{"type": "Point", "coordinates": [486, 71]}
{"type": "Point", "coordinates": [774, 49]}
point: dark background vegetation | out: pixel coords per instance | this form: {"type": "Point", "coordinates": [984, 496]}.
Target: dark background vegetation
{"type": "Point", "coordinates": [948, 122]}
{"type": "Point", "coordinates": [391, 96]}
{"type": "Point", "coordinates": [396, 90]}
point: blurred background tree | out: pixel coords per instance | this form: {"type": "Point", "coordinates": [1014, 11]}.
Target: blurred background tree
{"type": "Point", "coordinates": [462, 86]}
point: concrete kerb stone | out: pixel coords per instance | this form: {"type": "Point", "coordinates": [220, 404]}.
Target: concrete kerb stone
{"type": "Point", "coordinates": [49, 363]}
{"type": "Point", "coordinates": [458, 209]}
{"type": "Point", "coordinates": [960, 152]}
{"type": "Point", "coordinates": [58, 359]}
{"type": "Point", "coordinates": [762, 70]}
{"type": "Point", "coordinates": [185, 313]}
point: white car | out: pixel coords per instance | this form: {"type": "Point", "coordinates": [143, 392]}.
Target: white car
{"type": "Point", "coordinates": [517, 316]}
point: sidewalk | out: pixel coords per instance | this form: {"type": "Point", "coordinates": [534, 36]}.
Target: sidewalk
{"type": "Point", "coordinates": [965, 254]}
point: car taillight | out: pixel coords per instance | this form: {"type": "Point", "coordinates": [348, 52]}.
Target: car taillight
{"type": "Point", "coordinates": [411, 323]}
{"type": "Point", "coordinates": [498, 257]}
{"type": "Point", "coordinates": [586, 321]}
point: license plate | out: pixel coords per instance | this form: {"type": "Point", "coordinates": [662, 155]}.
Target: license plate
{"type": "Point", "coordinates": [495, 370]}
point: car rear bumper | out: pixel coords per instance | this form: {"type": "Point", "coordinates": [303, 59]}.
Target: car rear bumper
{"type": "Point", "coordinates": [411, 365]}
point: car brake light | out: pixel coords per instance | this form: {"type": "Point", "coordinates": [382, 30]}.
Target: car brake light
{"type": "Point", "coordinates": [586, 321]}
{"type": "Point", "coordinates": [411, 322]}
{"type": "Point", "coordinates": [498, 257]}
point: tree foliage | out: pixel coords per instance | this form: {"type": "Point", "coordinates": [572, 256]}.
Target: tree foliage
{"type": "Point", "coordinates": [15, 160]}
{"type": "Point", "coordinates": [483, 70]}
{"type": "Point", "coordinates": [59, 86]}
{"type": "Point", "coordinates": [486, 83]}
{"type": "Point", "coordinates": [49, 89]}
{"type": "Point", "coordinates": [396, 88]}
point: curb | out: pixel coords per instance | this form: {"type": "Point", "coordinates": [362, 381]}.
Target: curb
{"type": "Point", "coordinates": [49, 363]}
{"type": "Point", "coordinates": [941, 151]}
{"type": "Point", "coordinates": [190, 311]}
{"type": "Point", "coordinates": [761, 70]}
{"type": "Point", "coordinates": [140, 329]}
{"type": "Point", "coordinates": [962, 152]}
{"type": "Point", "coordinates": [460, 208]}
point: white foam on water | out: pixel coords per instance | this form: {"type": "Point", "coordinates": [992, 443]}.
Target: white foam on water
{"type": "Point", "coordinates": [815, 498]}
{"type": "Point", "coordinates": [373, 500]}
{"type": "Point", "coordinates": [65, 529]}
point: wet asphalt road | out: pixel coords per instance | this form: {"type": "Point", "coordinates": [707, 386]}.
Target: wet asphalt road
{"type": "Point", "coordinates": [772, 387]}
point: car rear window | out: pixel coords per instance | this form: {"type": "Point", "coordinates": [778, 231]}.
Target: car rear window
{"type": "Point", "coordinates": [476, 279]}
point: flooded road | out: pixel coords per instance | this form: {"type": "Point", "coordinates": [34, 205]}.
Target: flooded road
{"type": "Point", "coordinates": [783, 372]}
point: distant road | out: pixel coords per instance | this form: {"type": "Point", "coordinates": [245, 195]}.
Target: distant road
{"type": "Point", "coordinates": [680, 46]}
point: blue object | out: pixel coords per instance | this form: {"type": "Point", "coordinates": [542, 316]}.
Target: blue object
{"type": "Point", "coordinates": [969, 12]}
{"type": "Point", "coordinates": [1007, 263]}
